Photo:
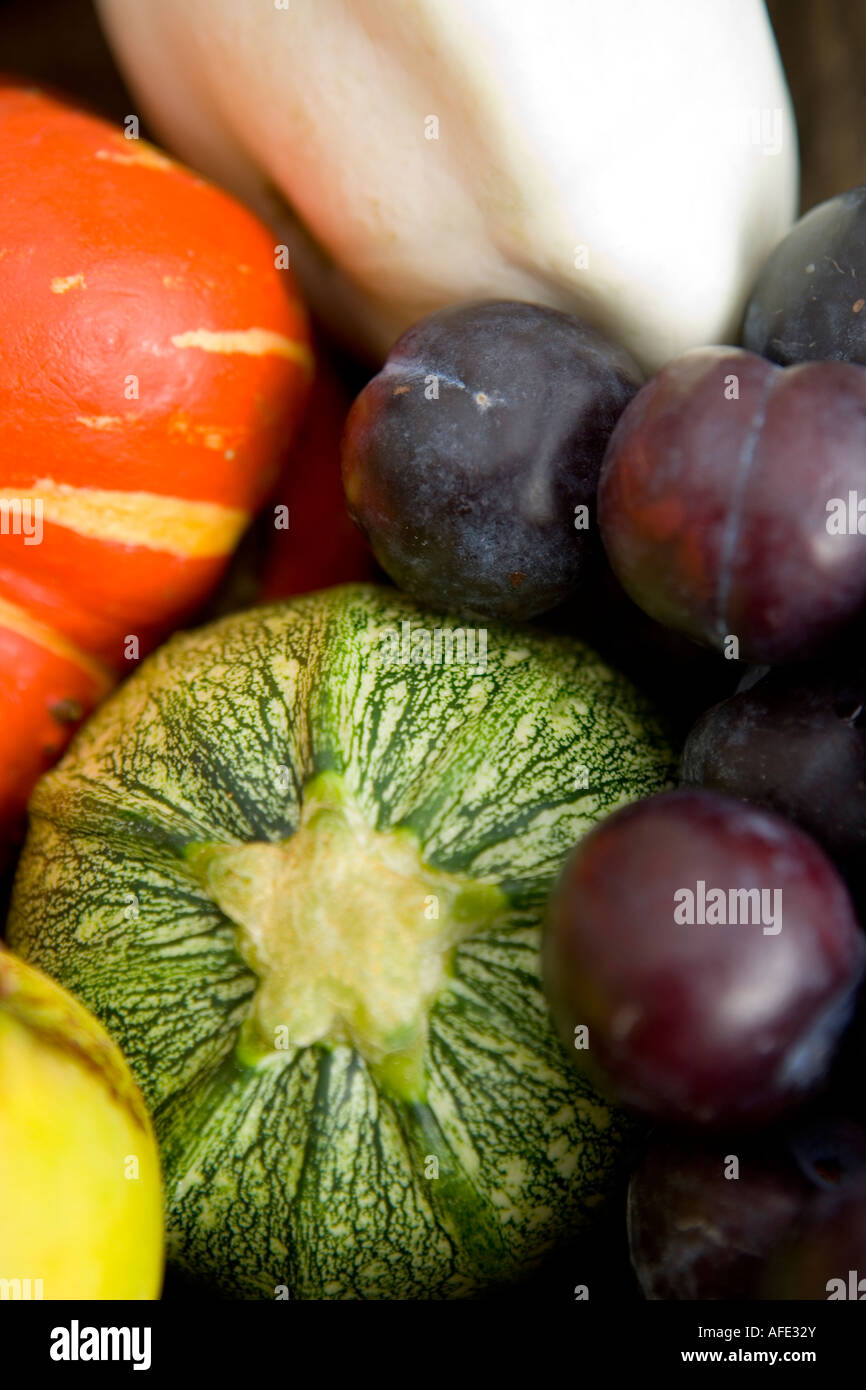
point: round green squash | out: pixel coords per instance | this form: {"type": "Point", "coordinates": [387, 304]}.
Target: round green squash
{"type": "Point", "coordinates": [297, 865]}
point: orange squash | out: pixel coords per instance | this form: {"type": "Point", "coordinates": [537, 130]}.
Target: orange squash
{"type": "Point", "coordinates": [154, 361]}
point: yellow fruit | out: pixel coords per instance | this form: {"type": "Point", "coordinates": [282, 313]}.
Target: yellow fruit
{"type": "Point", "coordinates": [80, 1188]}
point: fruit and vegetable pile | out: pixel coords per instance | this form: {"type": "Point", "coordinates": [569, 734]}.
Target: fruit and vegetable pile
{"type": "Point", "coordinates": [469, 860]}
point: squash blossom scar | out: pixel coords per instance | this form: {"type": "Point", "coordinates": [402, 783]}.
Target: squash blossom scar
{"type": "Point", "coordinates": [61, 283]}
{"type": "Point", "coordinates": [99, 422]}
{"type": "Point", "coordinates": [146, 157]}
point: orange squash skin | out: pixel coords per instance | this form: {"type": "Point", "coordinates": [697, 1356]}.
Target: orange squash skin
{"type": "Point", "coordinates": [43, 697]}
{"type": "Point", "coordinates": [154, 363]}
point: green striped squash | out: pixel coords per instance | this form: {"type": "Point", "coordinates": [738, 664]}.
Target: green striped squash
{"type": "Point", "coordinates": [297, 865]}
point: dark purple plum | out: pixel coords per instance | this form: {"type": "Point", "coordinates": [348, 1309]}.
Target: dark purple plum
{"type": "Point", "coordinates": [826, 1259]}
{"type": "Point", "coordinates": [808, 301]}
{"type": "Point", "coordinates": [711, 952]}
{"type": "Point", "coordinates": [794, 741]}
{"type": "Point", "coordinates": [730, 502]}
{"type": "Point", "coordinates": [468, 458]}
{"type": "Point", "coordinates": [705, 1215]}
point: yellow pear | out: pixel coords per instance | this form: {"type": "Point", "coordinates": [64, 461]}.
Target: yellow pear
{"type": "Point", "coordinates": [80, 1191]}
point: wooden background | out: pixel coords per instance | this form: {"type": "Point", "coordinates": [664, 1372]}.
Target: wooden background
{"type": "Point", "coordinates": [823, 47]}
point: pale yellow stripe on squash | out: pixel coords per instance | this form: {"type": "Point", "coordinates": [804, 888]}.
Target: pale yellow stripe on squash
{"type": "Point", "coordinates": [179, 525]}
{"type": "Point", "coordinates": [254, 342]}
{"type": "Point", "coordinates": [16, 619]}
{"type": "Point", "coordinates": [100, 422]}
{"type": "Point", "coordinates": [144, 155]}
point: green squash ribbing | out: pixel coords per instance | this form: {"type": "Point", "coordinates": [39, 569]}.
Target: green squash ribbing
{"type": "Point", "coordinates": [410, 1132]}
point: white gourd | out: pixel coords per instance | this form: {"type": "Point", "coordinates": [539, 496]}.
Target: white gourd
{"type": "Point", "coordinates": [633, 161]}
